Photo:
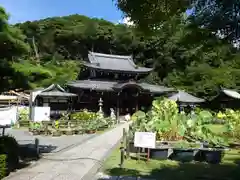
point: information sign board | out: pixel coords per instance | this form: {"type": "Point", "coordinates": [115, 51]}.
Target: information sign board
{"type": "Point", "coordinates": [145, 139]}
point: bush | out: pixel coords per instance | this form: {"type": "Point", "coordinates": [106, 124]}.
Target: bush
{"type": "Point", "coordinates": [9, 146]}
{"type": "Point", "coordinates": [24, 117]}
{"type": "Point", "coordinates": [2, 166]}
{"type": "Point", "coordinates": [24, 114]}
{"type": "Point", "coordinates": [84, 116]}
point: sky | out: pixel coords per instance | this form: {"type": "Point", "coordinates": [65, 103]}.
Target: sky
{"type": "Point", "coordinates": [28, 10]}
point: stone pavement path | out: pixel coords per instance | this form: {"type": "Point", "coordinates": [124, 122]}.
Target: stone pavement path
{"type": "Point", "coordinates": [56, 144]}
{"type": "Point", "coordinates": [78, 163]}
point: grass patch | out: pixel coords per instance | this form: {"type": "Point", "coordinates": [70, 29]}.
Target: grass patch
{"type": "Point", "coordinates": [229, 169]}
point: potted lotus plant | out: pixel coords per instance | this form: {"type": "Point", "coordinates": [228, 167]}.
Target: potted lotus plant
{"type": "Point", "coordinates": [198, 129]}
{"type": "Point", "coordinates": [36, 128]}
{"type": "Point", "coordinates": [167, 123]}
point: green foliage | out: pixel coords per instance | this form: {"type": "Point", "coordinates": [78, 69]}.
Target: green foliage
{"type": "Point", "coordinates": [91, 121]}
{"type": "Point", "coordinates": [198, 128]}
{"type": "Point", "coordinates": [84, 116]}
{"type": "Point", "coordinates": [35, 125]}
{"type": "Point", "coordinates": [186, 54]}
{"type": "Point", "coordinates": [48, 73]}
{"type": "Point", "coordinates": [166, 120]}
{"type": "Point", "coordinates": [163, 119]}
{"type": "Point", "coordinates": [170, 125]}
{"type": "Point", "coordinates": [10, 38]}
{"type": "Point", "coordinates": [23, 120]}
{"type": "Point", "coordinates": [23, 114]}
{"type": "Point", "coordinates": [232, 120]}
{"type": "Point", "coordinates": [138, 115]}
{"type": "Point", "coordinates": [150, 14]}
{"type": "Point", "coordinates": [216, 15]}
{"type": "Point", "coordinates": [12, 46]}
{"type": "Point", "coordinates": [185, 144]}
{"type": "Point", "coordinates": [3, 166]}
{"type": "Point", "coordinates": [56, 125]}
{"type": "Point", "coordinates": [208, 13]}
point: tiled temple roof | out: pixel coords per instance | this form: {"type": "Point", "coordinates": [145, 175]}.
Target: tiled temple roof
{"type": "Point", "coordinates": [114, 63]}
{"type": "Point", "coordinates": [184, 97]}
{"type": "Point", "coordinates": [113, 85]}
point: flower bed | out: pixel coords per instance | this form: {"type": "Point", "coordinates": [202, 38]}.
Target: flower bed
{"type": "Point", "coordinates": [76, 123]}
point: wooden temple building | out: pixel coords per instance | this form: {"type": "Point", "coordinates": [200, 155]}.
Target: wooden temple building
{"type": "Point", "coordinates": [115, 80]}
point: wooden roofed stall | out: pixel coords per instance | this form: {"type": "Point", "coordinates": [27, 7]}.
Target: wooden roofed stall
{"type": "Point", "coordinates": [186, 101]}
{"type": "Point", "coordinates": [55, 97]}
{"type": "Point", "coordinates": [115, 79]}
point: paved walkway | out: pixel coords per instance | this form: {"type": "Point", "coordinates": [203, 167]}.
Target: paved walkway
{"type": "Point", "coordinates": [78, 163]}
{"type": "Point", "coordinates": [48, 143]}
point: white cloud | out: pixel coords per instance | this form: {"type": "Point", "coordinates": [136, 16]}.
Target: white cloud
{"type": "Point", "coordinates": [127, 21]}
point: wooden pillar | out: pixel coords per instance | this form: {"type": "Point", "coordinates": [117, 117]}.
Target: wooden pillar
{"type": "Point", "coordinates": [31, 106]}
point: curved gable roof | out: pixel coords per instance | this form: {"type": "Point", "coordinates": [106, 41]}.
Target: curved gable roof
{"type": "Point", "coordinates": [55, 90]}
{"type": "Point", "coordinates": [114, 63]}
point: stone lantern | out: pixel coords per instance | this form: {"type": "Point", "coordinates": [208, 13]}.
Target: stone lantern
{"type": "Point", "coordinates": [100, 103]}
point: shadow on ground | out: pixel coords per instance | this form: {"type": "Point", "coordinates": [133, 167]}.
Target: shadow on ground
{"type": "Point", "coordinates": [185, 171]}
{"type": "Point", "coordinates": [28, 153]}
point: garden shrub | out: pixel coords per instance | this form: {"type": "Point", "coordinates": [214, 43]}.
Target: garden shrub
{"type": "Point", "coordinates": [84, 116]}
{"type": "Point", "coordinates": [24, 117]}
{"type": "Point", "coordinates": [24, 114]}
{"type": "Point", "coordinates": [2, 165]}
{"type": "Point", "coordinates": [10, 147]}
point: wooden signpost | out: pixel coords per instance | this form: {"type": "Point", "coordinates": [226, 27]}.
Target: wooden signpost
{"type": "Point", "coordinates": [145, 140]}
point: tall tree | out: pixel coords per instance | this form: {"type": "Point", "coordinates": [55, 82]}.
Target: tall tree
{"type": "Point", "coordinates": [186, 53]}
{"type": "Point", "coordinates": [220, 16]}
{"type": "Point", "coordinates": [150, 14]}
{"type": "Point", "coordinates": [12, 46]}
{"type": "Point", "coordinates": [11, 39]}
